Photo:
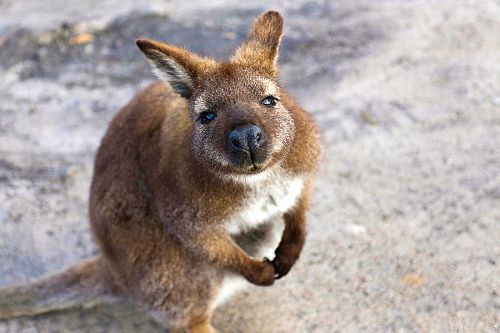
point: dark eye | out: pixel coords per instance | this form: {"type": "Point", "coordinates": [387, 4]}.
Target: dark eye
{"type": "Point", "coordinates": [206, 117]}
{"type": "Point", "coordinates": [269, 101]}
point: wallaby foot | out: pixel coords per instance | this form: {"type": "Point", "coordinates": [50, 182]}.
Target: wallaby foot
{"type": "Point", "coordinates": [203, 326]}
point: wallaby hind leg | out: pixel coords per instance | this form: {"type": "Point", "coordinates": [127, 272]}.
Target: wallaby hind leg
{"type": "Point", "coordinates": [203, 326]}
{"type": "Point", "coordinates": [83, 285]}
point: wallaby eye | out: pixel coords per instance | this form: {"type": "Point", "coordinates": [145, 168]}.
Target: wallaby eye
{"type": "Point", "coordinates": [269, 101]}
{"type": "Point", "coordinates": [206, 117]}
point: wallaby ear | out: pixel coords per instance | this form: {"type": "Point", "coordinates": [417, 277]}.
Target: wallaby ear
{"type": "Point", "coordinates": [174, 65]}
{"type": "Point", "coordinates": [262, 46]}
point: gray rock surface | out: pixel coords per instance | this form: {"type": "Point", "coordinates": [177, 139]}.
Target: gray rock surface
{"type": "Point", "coordinates": [404, 230]}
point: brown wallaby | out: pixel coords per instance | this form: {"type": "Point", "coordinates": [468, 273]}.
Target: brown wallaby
{"type": "Point", "coordinates": [192, 183]}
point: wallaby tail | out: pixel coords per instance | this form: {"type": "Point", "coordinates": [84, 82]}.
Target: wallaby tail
{"type": "Point", "coordinates": [83, 285]}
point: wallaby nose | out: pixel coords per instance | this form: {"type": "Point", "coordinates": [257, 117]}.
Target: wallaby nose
{"type": "Point", "coordinates": [245, 138]}
{"type": "Point", "coordinates": [245, 141]}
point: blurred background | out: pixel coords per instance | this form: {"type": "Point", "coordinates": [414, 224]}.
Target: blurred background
{"type": "Point", "coordinates": [404, 231]}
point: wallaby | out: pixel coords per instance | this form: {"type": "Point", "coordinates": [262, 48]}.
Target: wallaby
{"type": "Point", "coordinates": [196, 183]}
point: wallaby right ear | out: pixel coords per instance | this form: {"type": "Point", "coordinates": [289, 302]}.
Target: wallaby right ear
{"type": "Point", "coordinates": [261, 48]}
{"type": "Point", "coordinates": [174, 65]}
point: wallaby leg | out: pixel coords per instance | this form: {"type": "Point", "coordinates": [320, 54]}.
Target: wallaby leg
{"type": "Point", "coordinates": [85, 284]}
{"type": "Point", "coordinates": [202, 326]}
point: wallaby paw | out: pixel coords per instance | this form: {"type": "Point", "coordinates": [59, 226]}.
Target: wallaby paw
{"type": "Point", "coordinates": [282, 264]}
{"type": "Point", "coordinates": [261, 273]}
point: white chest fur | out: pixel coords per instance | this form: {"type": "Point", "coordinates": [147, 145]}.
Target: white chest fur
{"type": "Point", "coordinates": [266, 200]}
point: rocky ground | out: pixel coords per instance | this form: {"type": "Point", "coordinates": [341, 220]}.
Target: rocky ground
{"type": "Point", "coordinates": [404, 231]}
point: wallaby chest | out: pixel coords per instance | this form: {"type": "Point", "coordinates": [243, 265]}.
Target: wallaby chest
{"type": "Point", "coordinates": [265, 201]}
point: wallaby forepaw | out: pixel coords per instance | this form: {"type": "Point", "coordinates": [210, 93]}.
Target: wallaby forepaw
{"type": "Point", "coordinates": [282, 264]}
{"type": "Point", "coordinates": [261, 274]}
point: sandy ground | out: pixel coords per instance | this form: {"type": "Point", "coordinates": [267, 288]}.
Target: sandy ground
{"type": "Point", "coordinates": [404, 231]}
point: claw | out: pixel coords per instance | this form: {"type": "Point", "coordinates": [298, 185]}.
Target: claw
{"type": "Point", "coordinates": [275, 265]}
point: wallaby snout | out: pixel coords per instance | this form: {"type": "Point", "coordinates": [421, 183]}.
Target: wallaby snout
{"type": "Point", "coordinates": [248, 147]}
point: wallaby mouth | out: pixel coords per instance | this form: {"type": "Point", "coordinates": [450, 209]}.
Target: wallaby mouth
{"type": "Point", "coordinates": [250, 163]}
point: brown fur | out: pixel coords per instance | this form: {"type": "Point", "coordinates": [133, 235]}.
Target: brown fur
{"type": "Point", "coordinates": [165, 194]}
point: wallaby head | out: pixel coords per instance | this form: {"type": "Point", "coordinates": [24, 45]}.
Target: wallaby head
{"type": "Point", "coordinates": [241, 126]}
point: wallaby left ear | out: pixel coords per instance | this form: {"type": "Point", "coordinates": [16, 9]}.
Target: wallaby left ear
{"type": "Point", "coordinates": [181, 68]}
{"type": "Point", "coordinates": [262, 46]}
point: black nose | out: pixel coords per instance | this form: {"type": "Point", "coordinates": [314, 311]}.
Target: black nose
{"type": "Point", "coordinates": [245, 138]}
{"type": "Point", "coordinates": [246, 142]}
